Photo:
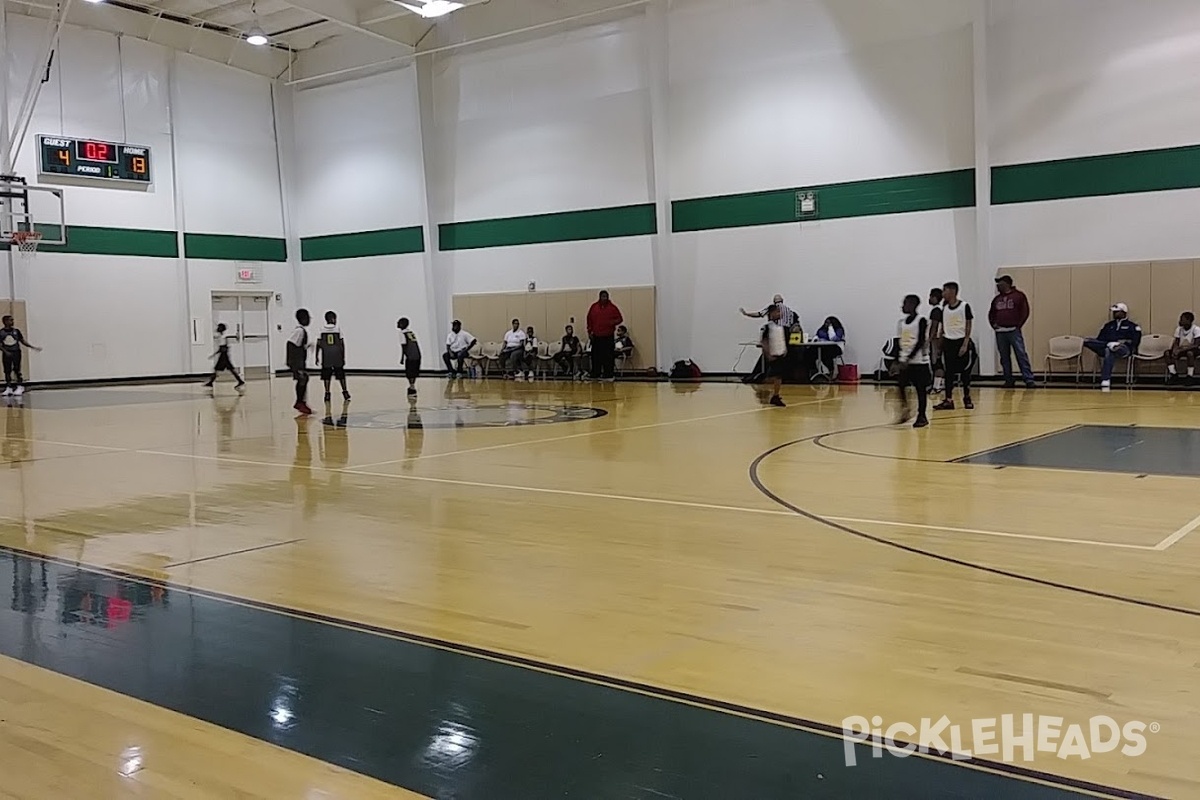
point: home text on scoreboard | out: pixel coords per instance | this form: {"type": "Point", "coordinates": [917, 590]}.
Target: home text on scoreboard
{"type": "Point", "coordinates": [91, 159]}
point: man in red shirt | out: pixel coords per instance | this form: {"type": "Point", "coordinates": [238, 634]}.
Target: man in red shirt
{"type": "Point", "coordinates": [1008, 314]}
{"type": "Point", "coordinates": [602, 321]}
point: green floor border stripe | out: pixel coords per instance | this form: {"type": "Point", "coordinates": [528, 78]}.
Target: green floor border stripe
{"type": "Point", "coordinates": [1098, 176]}
{"type": "Point", "coordinates": [388, 242]}
{"type": "Point", "coordinates": [234, 248]}
{"type": "Point", "coordinates": [566, 226]}
{"type": "Point", "coordinates": [896, 195]}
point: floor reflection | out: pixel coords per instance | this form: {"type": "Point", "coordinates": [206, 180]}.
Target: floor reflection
{"type": "Point", "coordinates": [428, 716]}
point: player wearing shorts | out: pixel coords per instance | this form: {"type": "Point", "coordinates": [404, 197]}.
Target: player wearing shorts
{"type": "Point", "coordinates": [297, 360]}
{"type": "Point", "coordinates": [410, 354]}
{"type": "Point", "coordinates": [11, 342]}
{"type": "Point", "coordinates": [956, 347]}
{"type": "Point", "coordinates": [913, 364]}
{"type": "Point", "coordinates": [331, 355]}
{"type": "Point", "coordinates": [774, 349]}
{"type": "Point", "coordinates": [223, 361]}
{"type": "Point", "coordinates": [936, 363]}
{"type": "Point", "coordinates": [1184, 347]}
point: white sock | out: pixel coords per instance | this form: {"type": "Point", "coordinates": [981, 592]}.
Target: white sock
{"type": "Point", "coordinates": [1191, 372]}
{"type": "Point", "coordinates": [939, 384]}
{"type": "Point", "coordinates": [1171, 369]}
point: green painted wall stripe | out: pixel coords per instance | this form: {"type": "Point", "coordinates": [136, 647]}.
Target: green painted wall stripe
{"type": "Point", "coordinates": [567, 226]}
{"type": "Point", "coordinates": [89, 240]}
{"type": "Point", "coordinates": [1097, 176]}
{"type": "Point", "coordinates": [937, 190]}
{"type": "Point", "coordinates": [389, 242]}
{"type": "Point", "coordinates": [234, 248]}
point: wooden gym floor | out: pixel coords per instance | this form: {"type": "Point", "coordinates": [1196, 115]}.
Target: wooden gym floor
{"type": "Point", "coordinates": [595, 591]}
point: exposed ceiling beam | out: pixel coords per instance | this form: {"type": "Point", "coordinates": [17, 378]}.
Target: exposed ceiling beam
{"type": "Point", "coordinates": [159, 28]}
{"type": "Point", "coordinates": [343, 13]}
{"type": "Point", "coordinates": [209, 13]}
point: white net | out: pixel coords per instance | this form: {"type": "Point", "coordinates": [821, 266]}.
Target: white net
{"type": "Point", "coordinates": [26, 243]}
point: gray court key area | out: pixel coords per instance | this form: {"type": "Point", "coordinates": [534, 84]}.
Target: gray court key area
{"type": "Point", "coordinates": [1105, 448]}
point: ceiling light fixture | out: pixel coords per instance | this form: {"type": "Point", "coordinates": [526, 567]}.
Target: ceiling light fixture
{"type": "Point", "coordinates": [256, 35]}
{"type": "Point", "coordinates": [434, 8]}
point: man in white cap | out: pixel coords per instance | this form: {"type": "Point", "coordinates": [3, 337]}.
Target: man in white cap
{"type": "Point", "coordinates": [1119, 338]}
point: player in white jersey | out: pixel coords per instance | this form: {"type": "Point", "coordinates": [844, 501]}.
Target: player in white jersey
{"type": "Point", "coordinates": [957, 349]}
{"type": "Point", "coordinates": [774, 350]}
{"type": "Point", "coordinates": [913, 363]}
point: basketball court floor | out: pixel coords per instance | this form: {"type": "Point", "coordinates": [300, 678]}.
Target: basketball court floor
{"type": "Point", "coordinates": [629, 590]}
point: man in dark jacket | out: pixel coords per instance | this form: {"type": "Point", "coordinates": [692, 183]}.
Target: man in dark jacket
{"type": "Point", "coordinates": [1119, 338]}
{"type": "Point", "coordinates": [1008, 314]}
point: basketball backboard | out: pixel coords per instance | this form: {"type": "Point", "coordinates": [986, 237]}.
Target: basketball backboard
{"type": "Point", "coordinates": [31, 208]}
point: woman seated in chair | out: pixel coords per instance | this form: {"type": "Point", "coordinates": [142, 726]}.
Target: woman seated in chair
{"type": "Point", "coordinates": [831, 330]}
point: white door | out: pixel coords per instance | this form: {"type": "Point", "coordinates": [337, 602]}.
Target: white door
{"type": "Point", "coordinates": [256, 332]}
{"type": "Point", "coordinates": [247, 320]}
{"type": "Point", "coordinates": [226, 309]}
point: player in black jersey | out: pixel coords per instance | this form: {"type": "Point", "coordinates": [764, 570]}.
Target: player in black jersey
{"type": "Point", "coordinates": [297, 360]}
{"type": "Point", "coordinates": [331, 355]}
{"type": "Point", "coordinates": [11, 342]}
{"type": "Point", "coordinates": [936, 362]}
{"type": "Point", "coordinates": [410, 354]}
{"type": "Point", "coordinates": [222, 357]}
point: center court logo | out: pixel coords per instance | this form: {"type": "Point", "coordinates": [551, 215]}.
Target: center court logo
{"type": "Point", "coordinates": [1009, 737]}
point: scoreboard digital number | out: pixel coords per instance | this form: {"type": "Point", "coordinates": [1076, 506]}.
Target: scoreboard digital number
{"type": "Point", "coordinates": [88, 158]}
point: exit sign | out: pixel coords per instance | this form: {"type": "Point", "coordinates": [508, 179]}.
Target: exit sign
{"type": "Point", "coordinates": [248, 275]}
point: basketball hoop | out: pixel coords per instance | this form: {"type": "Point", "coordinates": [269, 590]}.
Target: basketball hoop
{"type": "Point", "coordinates": [26, 243]}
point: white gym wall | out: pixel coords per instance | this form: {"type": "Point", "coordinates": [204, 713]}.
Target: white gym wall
{"type": "Point", "coordinates": [1087, 77]}
{"type": "Point", "coordinates": [358, 168]}
{"type": "Point", "coordinates": [707, 99]}
{"type": "Point", "coordinates": [113, 316]}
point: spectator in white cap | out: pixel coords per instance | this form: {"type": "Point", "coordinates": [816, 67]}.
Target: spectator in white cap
{"type": "Point", "coordinates": [1119, 338]}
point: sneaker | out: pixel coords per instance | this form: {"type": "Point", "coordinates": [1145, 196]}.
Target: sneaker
{"type": "Point", "coordinates": [518, 377]}
{"type": "Point", "coordinates": [303, 409]}
{"type": "Point", "coordinates": [17, 392]}
{"type": "Point", "coordinates": [1105, 385]}
{"type": "Point", "coordinates": [921, 422]}
{"type": "Point", "coordinates": [946, 405]}
{"type": "Point", "coordinates": [412, 390]}
{"type": "Point", "coordinates": [327, 397]}
{"type": "Point", "coordinates": [240, 385]}
{"type": "Point", "coordinates": [904, 416]}
{"type": "Point", "coordinates": [208, 385]}
{"type": "Point", "coordinates": [1009, 385]}
{"type": "Point", "coordinates": [1030, 384]}
{"type": "Point", "coordinates": [8, 391]}
{"type": "Point", "coordinates": [610, 380]}
{"type": "Point", "coordinates": [529, 376]}
{"type": "Point", "coordinates": [776, 400]}
{"type": "Point", "coordinates": [346, 396]}
{"type": "Point", "coordinates": [968, 403]}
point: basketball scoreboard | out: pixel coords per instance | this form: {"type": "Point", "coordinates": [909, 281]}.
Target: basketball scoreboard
{"type": "Point", "coordinates": [89, 159]}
